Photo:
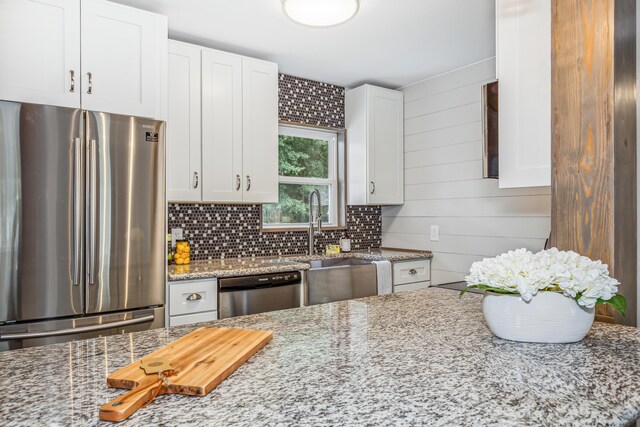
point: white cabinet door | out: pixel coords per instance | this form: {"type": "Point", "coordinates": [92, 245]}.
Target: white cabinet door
{"type": "Point", "coordinates": [524, 75]}
{"type": "Point", "coordinates": [260, 131]}
{"type": "Point", "coordinates": [375, 146]}
{"type": "Point", "coordinates": [385, 146]}
{"type": "Point", "coordinates": [184, 177]}
{"type": "Point", "coordinates": [221, 127]}
{"type": "Point", "coordinates": [123, 52]}
{"type": "Point", "coordinates": [40, 51]}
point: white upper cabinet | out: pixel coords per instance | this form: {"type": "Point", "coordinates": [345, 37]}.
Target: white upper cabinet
{"type": "Point", "coordinates": [101, 56]}
{"type": "Point", "coordinates": [183, 125]}
{"type": "Point", "coordinates": [40, 51]}
{"type": "Point", "coordinates": [221, 126]}
{"type": "Point", "coordinates": [524, 74]}
{"type": "Point", "coordinates": [236, 158]}
{"type": "Point", "coordinates": [260, 130]}
{"type": "Point", "coordinates": [123, 52]}
{"type": "Point", "coordinates": [375, 146]}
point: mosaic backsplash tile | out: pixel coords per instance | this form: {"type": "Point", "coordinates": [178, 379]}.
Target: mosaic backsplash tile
{"type": "Point", "coordinates": [235, 231]}
{"type": "Point", "coordinates": [310, 102]}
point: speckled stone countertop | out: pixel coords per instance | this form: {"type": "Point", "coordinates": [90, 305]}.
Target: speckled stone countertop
{"type": "Point", "coordinates": [414, 358]}
{"type": "Point", "coordinates": [264, 265]}
{"type": "Point", "coordinates": [233, 267]}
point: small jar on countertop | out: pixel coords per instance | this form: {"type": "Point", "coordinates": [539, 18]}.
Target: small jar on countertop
{"type": "Point", "coordinates": [345, 243]}
{"type": "Point", "coordinates": [182, 255]}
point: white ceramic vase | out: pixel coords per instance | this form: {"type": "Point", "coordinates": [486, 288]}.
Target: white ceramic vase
{"type": "Point", "coordinates": [549, 317]}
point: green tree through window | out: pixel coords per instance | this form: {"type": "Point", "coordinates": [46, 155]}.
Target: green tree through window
{"type": "Point", "coordinates": [306, 162]}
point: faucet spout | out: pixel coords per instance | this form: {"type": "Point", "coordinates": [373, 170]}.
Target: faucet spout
{"type": "Point", "coordinates": [312, 233]}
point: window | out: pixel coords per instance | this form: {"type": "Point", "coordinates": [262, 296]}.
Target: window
{"type": "Point", "coordinates": [308, 160]}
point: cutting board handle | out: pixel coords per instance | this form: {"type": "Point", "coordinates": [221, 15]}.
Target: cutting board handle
{"type": "Point", "coordinates": [122, 407]}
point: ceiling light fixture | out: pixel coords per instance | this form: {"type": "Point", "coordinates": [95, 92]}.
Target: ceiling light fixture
{"type": "Point", "coordinates": [320, 13]}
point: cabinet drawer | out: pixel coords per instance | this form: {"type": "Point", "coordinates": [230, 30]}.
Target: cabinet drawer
{"type": "Point", "coordinates": [411, 271]}
{"type": "Point", "coordinates": [411, 287]}
{"type": "Point", "coordinates": [189, 319]}
{"type": "Point", "coordinates": [193, 297]}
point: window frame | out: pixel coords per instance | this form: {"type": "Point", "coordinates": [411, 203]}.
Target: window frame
{"type": "Point", "coordinates": [332, 180]}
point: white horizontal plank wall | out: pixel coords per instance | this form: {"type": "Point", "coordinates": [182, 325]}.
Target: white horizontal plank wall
{"type": "Point", "coordinates": [444, 185]}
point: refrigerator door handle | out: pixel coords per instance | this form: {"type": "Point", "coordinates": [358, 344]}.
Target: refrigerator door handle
{"type": "Point", "coordinates": [91, 216]}
{"type": "Point", "coordinates": [78, 330]}
{"type": "Point", "coordinates": [77, 209]}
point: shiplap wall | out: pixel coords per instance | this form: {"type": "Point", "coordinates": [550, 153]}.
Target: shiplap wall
{"type": "Point", "coordinates": [444, 185]}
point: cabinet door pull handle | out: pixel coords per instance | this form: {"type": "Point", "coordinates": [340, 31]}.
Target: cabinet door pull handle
{"type": "Point", "coordinates": [238, 182]}
{"type": "Point", "coordinates": [248, 183]}
{"type": "Point", "coordinates": [194, 297]}
{"type": "Point", "coordinates": [373, 187]}
{"type": "Point", "coordinates": [90, 87]}
{"type": "Point", "coordinates": [413, 271]}
{"type": "Point", "coordinates": [196, 180]}
{"type": "Point", "coordinates": [72, 87]}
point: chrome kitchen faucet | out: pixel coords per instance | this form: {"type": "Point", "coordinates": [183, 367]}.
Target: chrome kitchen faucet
{"type": "Point", "coordinates": [313, 232]}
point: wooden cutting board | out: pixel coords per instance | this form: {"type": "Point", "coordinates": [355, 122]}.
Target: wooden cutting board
{"type": "Point", "coordinates": [199, 362]}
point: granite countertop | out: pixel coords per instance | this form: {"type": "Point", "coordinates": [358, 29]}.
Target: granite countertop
{"type": "Point", "coordinates": [414, 358]}
{"type": "Point", "coordinates": [264, 265]}
{"type": "Point", "coordinates": [233, 267]}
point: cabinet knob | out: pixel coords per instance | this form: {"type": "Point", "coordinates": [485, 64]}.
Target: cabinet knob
{"type": "Point", "coordinates": [238, 182]}
{"type": "Point", "coordinates": [248, 183]}
{"type": "Point", "coordinates": [194, 297]}
{"type": "Point", "coordinates": [90, 87]}
{"type": "Point", "coordinates": [72, 87]}
{"type": "Point", "coordinates": [373, 187]}
{"type": "Point", "coordinates": [413, 271]}
{"type": "Point", "coordinates": [196, 180]}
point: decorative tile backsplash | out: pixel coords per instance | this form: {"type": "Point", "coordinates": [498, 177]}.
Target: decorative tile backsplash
{"type": "Point", "coordinates": [235, 231]}
{"type": "Point", "coordinates": [310, 102]}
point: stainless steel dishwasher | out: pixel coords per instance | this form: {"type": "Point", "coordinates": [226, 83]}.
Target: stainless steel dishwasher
{"type": "Point", "coordinates": [339, 279]}
{"type": "Point", "coordinates": [259, 293]}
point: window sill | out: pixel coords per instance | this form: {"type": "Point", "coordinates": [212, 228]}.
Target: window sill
{"type": "Point", "coordinates": [284, 229]}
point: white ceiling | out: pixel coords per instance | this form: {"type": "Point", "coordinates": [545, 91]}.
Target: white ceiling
{"type": "Point", "coordinates": [390, 43]}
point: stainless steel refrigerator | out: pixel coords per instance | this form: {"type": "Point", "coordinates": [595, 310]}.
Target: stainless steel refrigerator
{"type": "Point", "coordinates": [82, 224]}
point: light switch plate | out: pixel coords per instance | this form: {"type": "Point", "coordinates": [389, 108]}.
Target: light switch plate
{"type": "Point", "coordinates": [176, 234]}
{"type": "Point", "coordinates": [435, 233]}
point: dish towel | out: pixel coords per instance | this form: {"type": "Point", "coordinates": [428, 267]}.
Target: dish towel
{"type": "Point", "coordinates": [383, 271]}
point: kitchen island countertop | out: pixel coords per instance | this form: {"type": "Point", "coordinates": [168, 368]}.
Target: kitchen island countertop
{"type": "Point", "coordinates": [414, 358]}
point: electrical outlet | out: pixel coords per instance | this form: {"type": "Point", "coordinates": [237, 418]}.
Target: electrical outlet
{"type": "Point", "coordinates": [176, 234]}
{"type": "Point", "coordinates": [435, 233]}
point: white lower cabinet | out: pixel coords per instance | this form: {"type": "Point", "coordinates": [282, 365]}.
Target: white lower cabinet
{"type": "Point", "coordinates": [411, 275]}
{"type": "Point", "coordinates": [193, 301]}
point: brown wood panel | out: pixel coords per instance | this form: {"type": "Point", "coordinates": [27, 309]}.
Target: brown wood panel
{"type": "Point", "coordinates": [594, 136]}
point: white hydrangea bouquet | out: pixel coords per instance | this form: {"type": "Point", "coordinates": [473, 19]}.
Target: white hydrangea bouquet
{"type": "Point", "coordinates": [525, 273]}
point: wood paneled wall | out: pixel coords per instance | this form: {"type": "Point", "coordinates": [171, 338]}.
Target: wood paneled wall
{"type": "Point", "coordinates": [594, 136]}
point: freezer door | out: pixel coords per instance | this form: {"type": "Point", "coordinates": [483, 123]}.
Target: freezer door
{"type": "Point", "coordinates": [41, 194]}
{"type": "Point", "coordinates": [125, 212]}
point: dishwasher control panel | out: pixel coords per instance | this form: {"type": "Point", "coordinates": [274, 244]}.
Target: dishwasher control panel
{"type": "Point", "coordinates": [260, 281]}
